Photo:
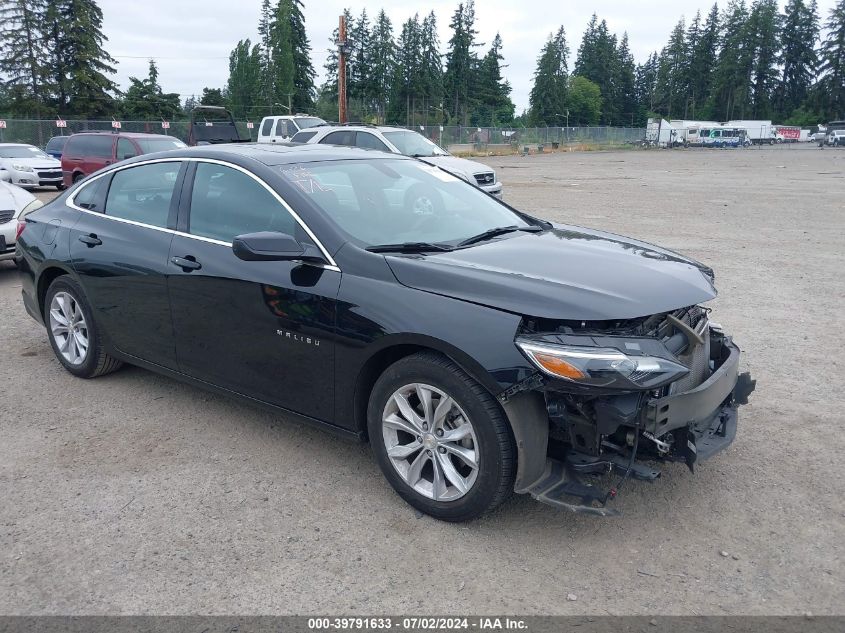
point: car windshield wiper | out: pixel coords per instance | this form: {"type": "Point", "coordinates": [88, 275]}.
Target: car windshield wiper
{"type": "Point", "coordinates": [501, 230]}
{"type": "Point", "coordinates": [409, 247]}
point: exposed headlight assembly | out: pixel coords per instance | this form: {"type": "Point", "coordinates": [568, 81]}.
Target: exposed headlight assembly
{"type": "Point", "coordinates": [22, 168]}
{"type": "Point", "coordinates": [601, 366]}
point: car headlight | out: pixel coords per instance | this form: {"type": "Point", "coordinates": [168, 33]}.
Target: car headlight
{"type": "Point", "coordinates": [601, 366]}
{"type": "Point", "coordinates": [22, 168]}
{"type": "Point", "coordinates": [32, 206]}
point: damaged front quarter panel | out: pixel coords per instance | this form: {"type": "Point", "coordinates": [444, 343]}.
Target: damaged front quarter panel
{"type": "Point", "coordinates": [573, 426]}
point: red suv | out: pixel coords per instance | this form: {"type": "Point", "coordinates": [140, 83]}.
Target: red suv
{"type": "Point", "coordinates": [86, 152]}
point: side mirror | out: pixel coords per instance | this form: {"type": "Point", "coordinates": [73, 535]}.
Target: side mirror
{"type": "Point", "coordinates": [270, 246]}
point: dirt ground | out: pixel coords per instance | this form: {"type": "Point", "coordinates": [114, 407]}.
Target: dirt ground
{"type": "Point", "coordinates": [135, 494]}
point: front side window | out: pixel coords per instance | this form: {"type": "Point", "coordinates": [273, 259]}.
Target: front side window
{"type": "Point", "coordinates": [150, 145]}
{"type": "Point", "coordinates": [226, 202]}
{"type": "Point", "coordinates": [392, 201]}
{"type": "Point", "coordinates": [143, 193]}
{"type": "Point", "coordinates": [370, 141]}
{"type": "Point", "coordinates": [412, 144]}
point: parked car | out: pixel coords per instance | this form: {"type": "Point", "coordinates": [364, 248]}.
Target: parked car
{"type": "Point", "coordinates": [479, 349]}
{"type": "Point", "coordinates": [29, 167]}
{"type": "Point", "coordinates": [55, 146]}
{"type": "Point", "coordinates": [88, 152]}
{"type": "Point", "coordinates": [280, 129]}
{"type": "Point", "coordinates": [836, 138]}
{"type": "Point", "coordinates": [408, 143]}
{"type": "Point", "coordinates": [15, 203]}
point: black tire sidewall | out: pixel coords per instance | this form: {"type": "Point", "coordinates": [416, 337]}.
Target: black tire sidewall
{"type": "Point", "coordinates": [453, 381]}
{"type": "Point", "coordinates": [95, 349]}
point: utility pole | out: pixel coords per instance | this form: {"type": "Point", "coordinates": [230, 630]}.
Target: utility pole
{"type": "Point", "coordinates": [343, 50]}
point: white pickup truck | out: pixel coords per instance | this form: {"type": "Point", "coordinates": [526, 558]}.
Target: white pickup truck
{"type": "Point", "coordinates": [280, 128]}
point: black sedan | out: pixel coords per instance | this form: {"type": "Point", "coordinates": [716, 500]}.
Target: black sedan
{"type": "Point", "coordinates": [480, 350]}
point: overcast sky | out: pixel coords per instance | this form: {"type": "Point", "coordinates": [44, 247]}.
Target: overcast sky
{"type": "Point", "coordinates": [191, 39]}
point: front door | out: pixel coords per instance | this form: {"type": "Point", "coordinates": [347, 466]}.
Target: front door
{"type": "Point", "coordinates": [262, 329]}
{"type": "Point", "coordinates": [120, 247]}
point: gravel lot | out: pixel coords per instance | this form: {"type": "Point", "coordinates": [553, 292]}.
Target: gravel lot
{"type": "Point", "coordinates": [136, 494]}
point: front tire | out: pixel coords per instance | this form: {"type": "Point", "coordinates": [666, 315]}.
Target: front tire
{"type": "Point", "coordinates": [440, 438]}
{"type": "Point", "coordinates": [73, 333]}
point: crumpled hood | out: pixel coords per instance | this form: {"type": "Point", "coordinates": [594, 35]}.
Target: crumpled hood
{"type": "Point", "coordinates": [568, 273]}
{"type": "Point", "coordinates": [13, 197]}
{"type": "Point", "coordinates": [458, 166]}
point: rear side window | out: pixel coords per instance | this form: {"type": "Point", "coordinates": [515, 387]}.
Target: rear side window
{"type": "Point", "coordinates": [226, 202]}
{"type": "Point", "coordinates": [343, 137]}
{"type": "Point", "coordinates": [303, 137]}
{"type": "Point", "coordinates": [90, 195]}
{"type": "Point", "coordinates": [143, 194]}
{"type": "Point", "coordinates": [99, 146]}
{"type": "Point", "coordinates": [266, 127]}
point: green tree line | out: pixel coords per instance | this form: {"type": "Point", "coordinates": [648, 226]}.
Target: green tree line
{"type": "Point", "coordinates": [738, 61]}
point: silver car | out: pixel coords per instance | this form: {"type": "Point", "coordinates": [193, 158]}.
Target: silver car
{"type": "Point", "coordinates": [397, 140]}
{"type": "Point", "coordinates": [15, 203]}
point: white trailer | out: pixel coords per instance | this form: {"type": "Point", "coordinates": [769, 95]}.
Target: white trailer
{"type": "Point", "coordinates": [759, 132]}
{"type": "Point", "coordinates": [693, 132]}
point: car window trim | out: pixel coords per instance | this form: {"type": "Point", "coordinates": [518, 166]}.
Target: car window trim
{"type": "Point", "coordinates": [332, 265]}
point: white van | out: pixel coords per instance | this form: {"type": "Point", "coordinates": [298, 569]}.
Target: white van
{"type": "Point", "coordinates": [280, 128]}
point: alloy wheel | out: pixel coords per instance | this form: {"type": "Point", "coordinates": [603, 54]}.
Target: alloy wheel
{"type": "Point", "coordinates": [431, 442]}
{"type": "Point", "coordinates": [69, 328]}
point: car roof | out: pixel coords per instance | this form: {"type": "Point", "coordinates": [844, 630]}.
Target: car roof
{"type": "Point", "coordinates": [124, 134]}
{"type": "Point", "coordinates": [279, 153]}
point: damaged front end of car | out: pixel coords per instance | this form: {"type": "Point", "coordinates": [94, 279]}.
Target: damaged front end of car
{"type": "Point", "coordinates": [609, 396]}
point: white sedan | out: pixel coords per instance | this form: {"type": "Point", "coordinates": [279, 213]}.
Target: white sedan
{"type": "Point", "coordinates": [15, 203]}
{"type": "Point", "coordinates": [29, 167]}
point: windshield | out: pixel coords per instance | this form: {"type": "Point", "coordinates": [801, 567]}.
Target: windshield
{"type": "Point", "coordinates": [412, 144]}
{"type": "Point", "coordinates": [383, 201]}
{"type": "Point", "coordinates": [150, 145]}
{"type": "Point", "coordinates": [308, 121]}
{"type": "Point", "coordinates": [22, 151]}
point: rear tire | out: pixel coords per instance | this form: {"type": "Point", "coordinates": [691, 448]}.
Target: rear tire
{"type": "Point", "coordinates": [455, 458]}
{"type": "Point", "coordinates": [74, 336]}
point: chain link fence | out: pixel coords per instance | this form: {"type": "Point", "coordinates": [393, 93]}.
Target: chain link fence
{"type": "Point", "coordinates": [458, 138]}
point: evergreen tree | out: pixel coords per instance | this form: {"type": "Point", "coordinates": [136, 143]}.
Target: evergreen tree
{"type": "Point", "coordinates": [461, 63]}
{"type": "Point", "coordinates": [702, 47]}
{"type": "Point", "coordinates": [244, 84]}
{"type": "Point", "coordinates": [548, 97]}
{"type": "Point", "coordinates": [281, 42]}
{"type": "Point", "coordinates": [407, 75]}
{"type": "Point", "coordinates": [832, 66]}
{"type": "Point", "coordinates": [598, 60]}
{"type": "Point", "coordinates": [431, 69]}
{"type": "Point", "coordinates": [382, 62]}
{"type": "Point", "coordinates": [730, 96]}
{"type": "Point", "coordinates": [493, 93]}
{"type": "Point", "coordinates": [266, 43]}
{"type": "Point", "coordinates": [303, 78]}
{"type": "Point", "coordinates": [22, 53]}
{"type": "Point", "coordinates": [145, 100]}
{"type": "Point", "coordinates": [213, 97]}
{"type": "Point", "coordinates": [359, 73]}
{"type": "Point", "coordinates": [671, 96]}
{"type": "Point", "coordinates": [626, 83]}
{"type": "Point", "coordinates": [646, 86]}
{"type": "Point", "coordinates": [800, 61]}
{"type": "Point", "coordinates": [764, 31]}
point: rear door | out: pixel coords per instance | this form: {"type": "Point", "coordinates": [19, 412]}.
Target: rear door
{"type": "Point", "coordinates": [119, 248]}
{"type": "Point", "coordinates": [99, 152]}
{"type": "Point", "coordinates": [262, 329]}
